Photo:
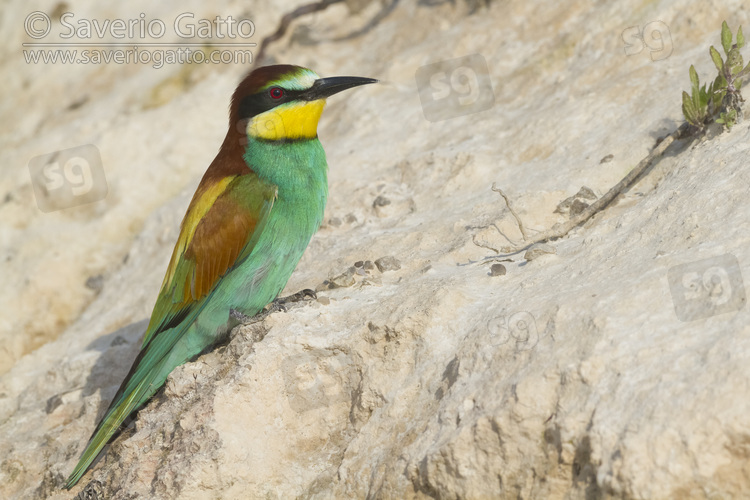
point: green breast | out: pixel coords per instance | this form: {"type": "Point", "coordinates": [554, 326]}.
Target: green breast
{"type": "Point", "coordinates": [299, 170]}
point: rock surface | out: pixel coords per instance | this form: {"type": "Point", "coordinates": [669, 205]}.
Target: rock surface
{"type": "Point", "coordinates": [616, 367]}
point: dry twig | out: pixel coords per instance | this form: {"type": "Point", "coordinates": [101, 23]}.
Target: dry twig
{"type": "Point", "coordinates": [286, 21]}
{"type": "Point", "coordinates": [513, 212]}
{"type": "Point", "coordinates": [560, 230]}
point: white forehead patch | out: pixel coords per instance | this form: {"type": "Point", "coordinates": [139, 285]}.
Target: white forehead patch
{"type": "Point", "coordinates": [302, 79]}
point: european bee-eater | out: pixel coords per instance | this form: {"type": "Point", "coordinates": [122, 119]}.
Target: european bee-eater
{"type": "Point", "coordinates": [245, 230]}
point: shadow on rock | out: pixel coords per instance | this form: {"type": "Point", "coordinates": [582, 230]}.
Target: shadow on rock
{"type": "Point", "coordinates": [119, 349]}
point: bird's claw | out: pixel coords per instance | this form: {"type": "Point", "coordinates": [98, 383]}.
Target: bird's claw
{"type": "Point", "coordinates": [242, 318]}
{"type": "Point", "coordinates": [275, 306]}
{"type": "Point", "coordinates": [306, 294]}
{"type": "Point", "coordinates": [278, 305]}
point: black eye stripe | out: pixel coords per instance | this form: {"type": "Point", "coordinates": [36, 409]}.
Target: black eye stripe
{"type": "Point", "coordinates": [261, 102]}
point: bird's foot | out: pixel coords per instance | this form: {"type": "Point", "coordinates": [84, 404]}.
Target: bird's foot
{"type": "Point", "coordinates": [278, 305]}
{"type": "Point", "coordinates": [251, 320]}
{"type": "Point", "coordinates": [242, 318]}
{"type": "Point", "coordinates": [306, 294]}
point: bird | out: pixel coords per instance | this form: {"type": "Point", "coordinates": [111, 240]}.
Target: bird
{"type": "Point", "coordinates": [253, 214]}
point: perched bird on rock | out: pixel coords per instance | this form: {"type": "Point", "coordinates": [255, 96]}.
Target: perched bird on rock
{"type": "Point", "coordinates": [245, 230]}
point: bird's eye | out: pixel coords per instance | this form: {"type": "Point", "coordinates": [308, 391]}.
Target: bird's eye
{"type": "Point", "coordinates": [276, 93]}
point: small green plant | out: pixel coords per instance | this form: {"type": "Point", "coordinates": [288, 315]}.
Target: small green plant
{"type": "Point", "coordinates": [728, 118]}
{"type": "Point", "coordinates": [700, 105]}
{"type": "Point", "coordinates": [722, 97]}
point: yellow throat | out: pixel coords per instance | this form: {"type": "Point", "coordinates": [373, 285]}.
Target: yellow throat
{"type": "Point", "coordinates": [295, 120]}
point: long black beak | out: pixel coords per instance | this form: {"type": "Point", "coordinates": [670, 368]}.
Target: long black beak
{"type": "Point", "coordinates": [326, 87]}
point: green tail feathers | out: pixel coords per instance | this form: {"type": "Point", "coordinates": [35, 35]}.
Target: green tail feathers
{"type": "Point", "coordinates": [122, 406]}
{"type": "Point", "coordinates": [147, 375]}
{"type": "Point", "coordinates": [99, 440]}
